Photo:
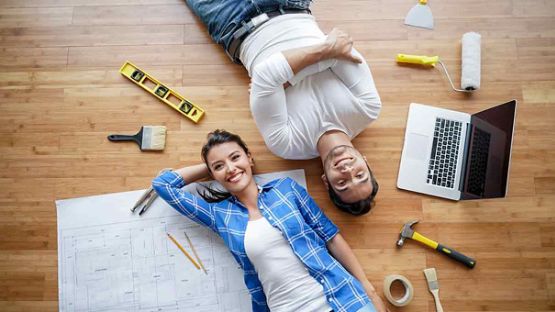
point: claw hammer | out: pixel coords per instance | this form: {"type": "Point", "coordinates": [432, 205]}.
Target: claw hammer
{"type": "Point", "coordinates": [408, 232]}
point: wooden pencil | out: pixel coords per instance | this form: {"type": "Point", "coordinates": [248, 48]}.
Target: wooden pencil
{"type": "Point", "coordinates": [184, 251]}
{"type": "Point", "coordinates": [195, 252]}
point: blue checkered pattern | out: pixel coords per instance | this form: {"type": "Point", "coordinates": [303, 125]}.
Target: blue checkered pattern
{"type": "Point", "coordinates": [289, 208]}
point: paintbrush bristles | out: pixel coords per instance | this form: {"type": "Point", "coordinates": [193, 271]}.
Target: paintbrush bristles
{"type": "Point", "coordinates": [431, 277]}
{"type": "Point", "coordinates": [154, 138]}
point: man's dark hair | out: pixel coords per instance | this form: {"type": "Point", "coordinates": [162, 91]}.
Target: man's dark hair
{"type": "Point", "coordinates": [210, 193]}
{"type": "Point", "coordinates": [359, 207]}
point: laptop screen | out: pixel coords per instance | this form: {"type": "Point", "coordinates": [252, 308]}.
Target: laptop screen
{"type": "Point", "coordinates": [489, 152]}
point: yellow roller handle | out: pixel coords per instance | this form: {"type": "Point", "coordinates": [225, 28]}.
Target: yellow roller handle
{"type": "Point", "coordinates": [417, 59]}
{"type": "Point", "coordinates": [423, 1]}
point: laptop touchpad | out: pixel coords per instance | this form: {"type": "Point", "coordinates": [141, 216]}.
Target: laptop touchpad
{"type": "Point", "coordinates": [417, 146]}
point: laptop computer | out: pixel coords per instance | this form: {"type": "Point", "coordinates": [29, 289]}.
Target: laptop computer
{"type": "Point", "coordinates": [456, 155]}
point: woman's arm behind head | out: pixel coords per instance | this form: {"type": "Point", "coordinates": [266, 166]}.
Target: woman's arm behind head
{"type": "Point", "coordinates": [169, 187]}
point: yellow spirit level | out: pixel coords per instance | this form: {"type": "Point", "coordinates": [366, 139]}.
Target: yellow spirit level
{"type": "Point", "coordinates": [162, 92]}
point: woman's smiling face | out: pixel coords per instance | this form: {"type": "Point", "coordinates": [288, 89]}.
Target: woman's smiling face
{"type": "Point", "coordinates": [231, 166]}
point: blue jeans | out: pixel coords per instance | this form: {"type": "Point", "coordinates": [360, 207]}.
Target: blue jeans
{"type": "Point", "coordinates": [367, 308]}
{"type": "Point", "coordinates": [223, 17]}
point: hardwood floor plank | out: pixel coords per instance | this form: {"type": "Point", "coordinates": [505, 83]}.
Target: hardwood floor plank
{"type": "Point", "coordinates": [61, 94]}
{"type": "Point", "coordinates": [397, 9]}
{"type": "Point", "coordinates": [534, 8]}
{"type": "Point", "coordinates": [29, 305]}
{"type": "Point", "coordinates": [149, 55]}
{"type": "Point", "coordinates": [133, 15]}
{"type": "Point", "coordinates": [215, 75]}
{"type": "Point", "coordinates": [545, 185]}
{"type": "Point", "coordinates": [58, 3]}
{"type": "Point", "coordinates": [515, 209]}
{"type": "Point", "coordinates": [96, 35]}
{"type": "Point", "coordinates": [19, 17]}
{"type": "Point", "coordinates": [541, 92]}
{"type": "Point", "coordinates": [445, 29]}
{"type": "Point", "coordinates": [83, 78]}
{"type": "Point", "coordinates": [32, 57]}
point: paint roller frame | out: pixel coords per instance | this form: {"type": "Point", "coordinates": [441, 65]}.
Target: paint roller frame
{"type": "Point", "coordinates": [446, 72]}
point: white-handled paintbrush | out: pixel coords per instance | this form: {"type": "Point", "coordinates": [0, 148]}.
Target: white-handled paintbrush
{"type": "Point", "coordinates": [149, 138]}
{"type": "Point", "coordinates": [433, 286]}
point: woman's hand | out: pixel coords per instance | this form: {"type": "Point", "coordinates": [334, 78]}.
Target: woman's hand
{"type": "Point", "coordinates": [373, 295]}
{"type": "Point", "coordinates": [343, 253]}
{"type": "Point", "coordinates": [340, 45]}
{"type": "Point", "coordinates": [194, 173]}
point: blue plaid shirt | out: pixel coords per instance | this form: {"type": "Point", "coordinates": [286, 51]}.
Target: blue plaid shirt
{"type": "Point", "coordinates": [289, 208]}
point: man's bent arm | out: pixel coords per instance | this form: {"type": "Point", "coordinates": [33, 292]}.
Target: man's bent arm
{"type": "Point", "coordinates": [267, 98]}
{"type": "Point", "coordinates": [337, 45]}
{"type": "Point", "coordinates": [305, 61]}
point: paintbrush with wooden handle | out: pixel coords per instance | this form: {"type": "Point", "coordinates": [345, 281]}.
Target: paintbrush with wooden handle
{"type": "Point", "coordinates": [433, 286]}
{"type": "Point", "coordinates": [149, 138]}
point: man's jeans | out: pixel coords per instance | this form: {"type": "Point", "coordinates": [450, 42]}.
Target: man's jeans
{"type": "Point", "coordinates": [223, 17]}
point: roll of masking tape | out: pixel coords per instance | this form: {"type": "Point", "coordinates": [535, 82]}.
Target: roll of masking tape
{"type": "Point", "coordinates": [409, 290]}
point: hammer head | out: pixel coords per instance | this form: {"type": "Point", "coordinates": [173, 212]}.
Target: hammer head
{"type": "Point", "coordinates": [406, 232]}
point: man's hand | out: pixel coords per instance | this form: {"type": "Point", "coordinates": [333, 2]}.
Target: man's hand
{"type": "Point", "coordinates": [340, 45]}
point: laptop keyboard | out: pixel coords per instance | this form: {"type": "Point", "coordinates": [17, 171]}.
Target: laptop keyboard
{"type": "Point", "coordinates": [478, 162]}
{"type": "Point", "coordinates": [445, 150]}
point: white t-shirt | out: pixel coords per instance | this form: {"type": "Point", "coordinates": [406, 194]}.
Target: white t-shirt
{"type": "Point", "coordinates": [329, 95]}
{"type": "Point", "coordinates": [285, 279]}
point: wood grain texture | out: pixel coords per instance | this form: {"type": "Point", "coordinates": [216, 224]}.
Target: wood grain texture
{"type": "Point", "coordinates": [61, 95]}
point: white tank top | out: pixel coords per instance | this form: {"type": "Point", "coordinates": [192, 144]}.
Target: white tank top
{"type": "Point", "coordinates": [285, 279]}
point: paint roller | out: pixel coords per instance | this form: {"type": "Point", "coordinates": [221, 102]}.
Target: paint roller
{"type": "Point", "coordinates": [470, 74]}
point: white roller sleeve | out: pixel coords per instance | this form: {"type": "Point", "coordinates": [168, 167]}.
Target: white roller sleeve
{"type": "Point", "coordinates": [470, 76]}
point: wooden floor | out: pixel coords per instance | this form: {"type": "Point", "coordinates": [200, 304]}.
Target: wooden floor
{"type": "Point", "coordinates": [61, 95]}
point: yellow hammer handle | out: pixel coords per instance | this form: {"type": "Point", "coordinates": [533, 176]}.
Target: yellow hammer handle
{"type": "Point", "coordinates": [424, 240]}
{"type": "Point", "coordinates": [417, 59]}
